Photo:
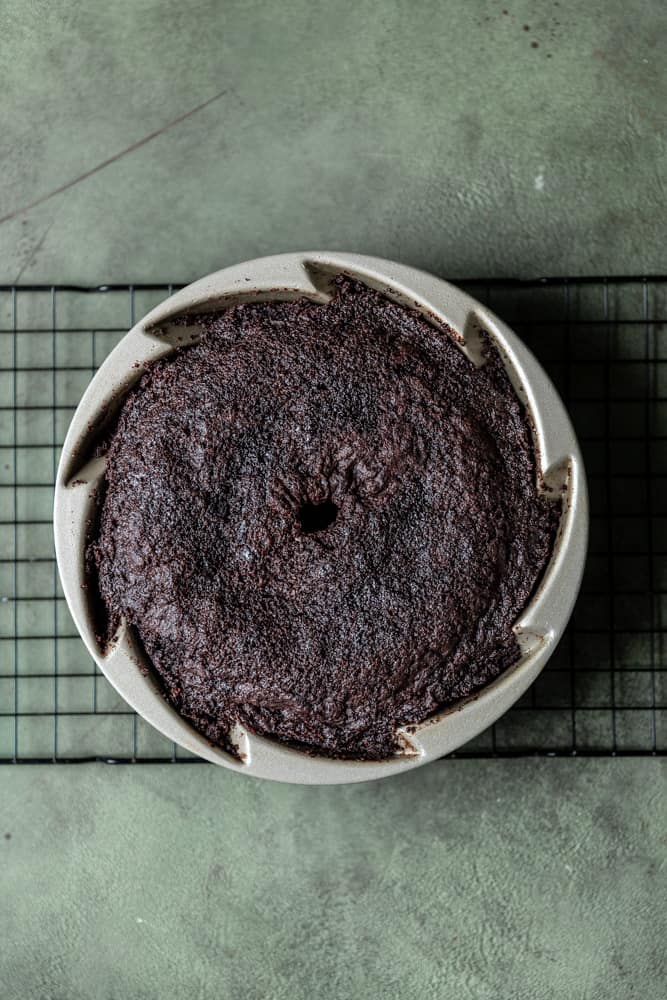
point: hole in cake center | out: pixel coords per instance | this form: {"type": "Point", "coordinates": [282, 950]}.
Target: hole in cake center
{"type": "Point", "coordinates": [317, 516]}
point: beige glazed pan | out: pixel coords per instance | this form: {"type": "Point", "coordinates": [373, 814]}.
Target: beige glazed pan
{"type": "Point", "coordinates": [289, 276]}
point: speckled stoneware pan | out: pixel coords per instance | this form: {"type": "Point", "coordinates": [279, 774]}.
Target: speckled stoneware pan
{"type": "Point", "coordinates": [289, 276]}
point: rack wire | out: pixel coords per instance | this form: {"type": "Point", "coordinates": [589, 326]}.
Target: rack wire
{"type": "Point", "coordinates": [604, 692]}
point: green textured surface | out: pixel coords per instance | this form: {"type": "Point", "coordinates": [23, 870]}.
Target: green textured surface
{"type": "Point", "coordinates": [431, 132]}
{"type": "Point", "coordinates": [465, 879]}
{"type": "Point", "coordinates": [434, 133]}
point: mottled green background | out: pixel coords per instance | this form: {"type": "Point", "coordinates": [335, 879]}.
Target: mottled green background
{"type": "Point", "coordinates": [520, 879]}
{"type": "Point", "coordinates": [438, 134]}
{"type": "Point", "coordinates": [432, 132]}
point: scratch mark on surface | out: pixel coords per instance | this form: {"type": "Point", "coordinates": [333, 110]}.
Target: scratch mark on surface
{"type": "Point", "coordinates": [31, 256]}
{"type": "Point", "coordinates": [112, 159]}
{"type": "Point", "coordinates": [582, 840]}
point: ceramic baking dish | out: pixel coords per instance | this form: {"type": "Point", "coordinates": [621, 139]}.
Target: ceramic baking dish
{"type": "Point", "coordinates": [288, 276]}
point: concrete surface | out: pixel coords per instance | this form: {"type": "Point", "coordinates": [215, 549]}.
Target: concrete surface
{"type": "Point", "coordinates": [524, 880]}
{"type": "Point", "coordinates": [432, 132]}
{"type": "Point", "coordinates": [438, 134]}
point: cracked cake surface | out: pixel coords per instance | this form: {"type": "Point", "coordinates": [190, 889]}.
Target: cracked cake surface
{"type": "Point", "coordinates": [322, 522]}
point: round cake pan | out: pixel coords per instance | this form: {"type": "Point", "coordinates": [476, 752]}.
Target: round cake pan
{"type": "Point", "coordinates": [288, 276]}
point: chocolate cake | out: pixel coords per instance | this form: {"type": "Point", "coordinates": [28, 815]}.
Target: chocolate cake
{"type": "Point", "coordinates": [322, 522]}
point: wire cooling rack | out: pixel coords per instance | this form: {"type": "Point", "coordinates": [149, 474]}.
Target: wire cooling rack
{"type": "Point", "coordinates": [604, 692]}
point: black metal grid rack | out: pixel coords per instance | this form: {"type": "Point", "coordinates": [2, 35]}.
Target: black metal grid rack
{"type": "Point", "coordinates": [604, 692]}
